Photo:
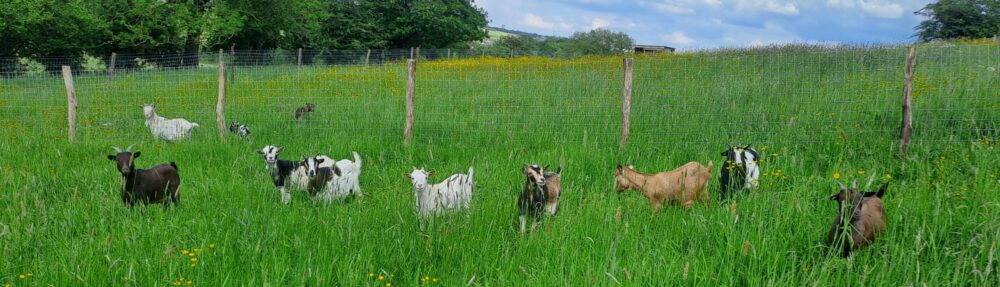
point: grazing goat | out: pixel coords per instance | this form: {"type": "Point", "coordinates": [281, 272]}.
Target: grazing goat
{"type": "Point", "coordinates": [740, 171]}
{"type": "Point", "coordinates": [454, 193]}
{"type": "Point", "coordinates": [541, 193]}
{"type": "Point", "coordinates": [860, 217]}
{"type": "Point", "coordinates": [303, 111]}
{"type": "Point", "coordinates": [287, 175]}
{"type": "Point", "coordinates": [167, 129]}
{"type": "Point", "coordinates": [158, 184]}
{"type": "Point", "coordinates": [683, 185]}
{"type": "Point", "coordinates": [240, 130]}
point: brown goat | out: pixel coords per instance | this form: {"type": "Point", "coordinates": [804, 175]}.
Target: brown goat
{"type": "Point", "coordinates": [158, 184]}
{"type": "Point", "coordinates": [541, 194]}
{"type": "Point", "coordinates": [683, 185]}
{"type": "Point", "coordinates": [867, 218]}
{"type": "Point", "coordinates": [303, 111]}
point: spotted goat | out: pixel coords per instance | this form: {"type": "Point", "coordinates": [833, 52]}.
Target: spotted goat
{"type": "Point", "coordinates": [740, 172]}
{"type": "Point", "coordinates": [240, 130]}
{"type": "Point", "coordinates": [540, 195]}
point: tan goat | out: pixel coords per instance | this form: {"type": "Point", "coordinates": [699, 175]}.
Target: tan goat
{"type": "Point", "coordinates": [683, 185]}
{"type": "Point", "coordinates": [864, 214]}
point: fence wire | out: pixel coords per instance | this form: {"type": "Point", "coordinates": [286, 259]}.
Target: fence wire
{"type": "Point", "coordinates": [789, 95]}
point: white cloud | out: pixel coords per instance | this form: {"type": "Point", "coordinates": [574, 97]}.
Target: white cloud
{"type": "Point", "coordinates": [712, 3]}
{"type": "Point", "coordinates": [882, 10]}
{"type": "Point", "coordinates": [786, 8]}
{"type": "Point", "coordinates": [599, 23]}
{"type": "Point", "coordinates": [879, 8]}
{"type": "Point", "coordinates": [673, 8]}
{"type": "Point", "coordinates": [677, 38]}
{"type": "Point", "coordinates": [532, 20]}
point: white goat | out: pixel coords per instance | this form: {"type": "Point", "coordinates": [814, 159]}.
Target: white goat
{"type": "Point", "coordinates": [167, 129]}
{"type": "Point", "coordinates": [453, 193]}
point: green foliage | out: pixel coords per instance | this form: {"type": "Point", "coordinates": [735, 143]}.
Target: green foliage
{"type": "Point", "coordinates": [69, 28]}
{"type": "Point", "coordinates": [31, 67]}
{"type": "Point", "coordinates": [952, 19]}
{"type": "Point", "coordinates": [517, 43]}
{"type": "Point", "coordinates": [600, 42]}
{"type": "Point", "coordinates": [93, 64]}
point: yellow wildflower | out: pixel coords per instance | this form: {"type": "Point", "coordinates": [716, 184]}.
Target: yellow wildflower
{"type": "Point", "coordinates": [380, 278]}
{"type": "Point", "coordinates": [184, 251]}
{"type": "Point", "coordinates": [199, 250]}
{"type": "Point", "coordinates": [189, 282]}
{"type": "Point", "coordinates": [861, 171]}
{"type": "Point", "coordinates": [388, 284]}
{"type": "Point", "coordinates": [192, 254]}
{"type": "Point", "coordinates": [193, 260]}
{"type": "Point", "coordinates": [372, 274]}
{"type": "Point", "coordinates": [887, 176]}
{"type": "Point", "coordinates": [836, 175]}
{"type": "Point", "coordinates": [21, 276]}
{"type": "Point", "coordinates": [193, 265]}
{"type": "Point", "coordinates": [211, 245]}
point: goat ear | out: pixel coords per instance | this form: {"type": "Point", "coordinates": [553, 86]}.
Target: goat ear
{"type": "Point", "coordinates": [135, 155]}
{"type": "Point", "coordinates": [619, 167]}
{"type": "Point", "coordinates": [836, 197]}
{"type": "Point", "coordinates": [407, 175]}
{"type": "Point", "coordinates": [724, 153]}
{"type": "Point", "coordinates": [260, 152]}
{"type": "Point", "coordinates": [280, 149]}
{"type": "Point", "coordinates": [747, 146]}
{"type": "Point", "coordinates": [881, 190]}
{"type": "Point", "coordinates": [111, 157]}
{"type": "Point", "coordinates": [430, 174]}
{"type": "Point", "coordinates": [546, 167]}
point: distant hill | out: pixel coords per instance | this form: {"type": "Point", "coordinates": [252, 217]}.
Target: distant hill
{"type": "Point", "coordinates": [500, 32]}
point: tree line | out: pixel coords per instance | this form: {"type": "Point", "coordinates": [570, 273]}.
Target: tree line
{"type": "Point", "coordinates": [41, 28]}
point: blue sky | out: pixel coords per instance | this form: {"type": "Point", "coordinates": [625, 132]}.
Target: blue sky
{"type": "Point", "coordinates": [697, 24]}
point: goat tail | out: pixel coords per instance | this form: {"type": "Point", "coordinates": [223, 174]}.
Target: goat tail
{"type": "Point", "coordinates": [357, 158]}
{"type": "Point", "coordinates": [559, 170]}
{"type": "Point", "coordinates": [194, 125]}
{"type": "Point", "coordinates": [174, 165]}
{"type": "Point", "coordinates": [470, 173]}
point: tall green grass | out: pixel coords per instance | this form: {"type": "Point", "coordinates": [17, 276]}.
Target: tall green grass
{"type": "Point", "coordinates": [814, 111]}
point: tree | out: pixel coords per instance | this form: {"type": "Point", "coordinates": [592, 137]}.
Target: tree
{"type": "Point", "coordinates": [951, 19]}
{"type": "Point", "coordinates": [600, 42]}
{"type": "Point", "coordinates": [517, 43]}
{"type": "Point", "coordinates": [37, 28]}
{"type": "Point", "coordinates": [432, 23]}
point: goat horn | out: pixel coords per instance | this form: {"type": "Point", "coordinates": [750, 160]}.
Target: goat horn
{"type": "Point", "coordinates": [129, 149]}
{"type": "Point", "coordinates": [117, 149]}
{"type": "Point", "coordinates": [842, 187]}
{"type": "Point", "coordinates": [854, 185]}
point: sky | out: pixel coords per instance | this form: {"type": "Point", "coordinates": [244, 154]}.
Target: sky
{"type": "Point", "coordinates": [707, 24]}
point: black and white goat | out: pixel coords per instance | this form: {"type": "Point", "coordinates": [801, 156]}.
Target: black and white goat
{"type": "Point", "coordinates": [158, 184]}
{"type": "Point", "coordinates": [740, 171]}
{"type": "Point", "coordinates": [287, 175]}
{"type": "Point", "coordinates": [540, 195]}
{"type": "Point", "coordinates": [240, 130]}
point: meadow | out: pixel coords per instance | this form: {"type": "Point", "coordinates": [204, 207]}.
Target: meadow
{"type": "Point", "coordinates": [817, 113]}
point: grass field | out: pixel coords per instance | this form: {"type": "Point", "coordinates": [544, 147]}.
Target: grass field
{"type": "Point", "coordinates": [814, 111]}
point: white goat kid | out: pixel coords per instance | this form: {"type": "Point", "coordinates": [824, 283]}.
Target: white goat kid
{"type": "Point", "coordinates": [454, 193]}
{"type": "Point", "coordinates": [167, 129]}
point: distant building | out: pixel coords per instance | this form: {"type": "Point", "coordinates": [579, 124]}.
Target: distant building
{"type": "Point", "coordinates": [652, 49]}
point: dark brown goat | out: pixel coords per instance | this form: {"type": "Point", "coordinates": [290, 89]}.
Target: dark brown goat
{"type": "Point", "coordinates": [303, 111]}
{"type": "Point", "coordinates": [158, 184]}
{"type": "Point", "coordinates": [867, 218]}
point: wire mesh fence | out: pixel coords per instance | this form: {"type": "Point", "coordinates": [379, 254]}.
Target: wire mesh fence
{"type": "Point", "coordinates": [790, 95]}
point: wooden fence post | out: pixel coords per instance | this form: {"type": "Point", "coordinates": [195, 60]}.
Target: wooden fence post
{"type": "Point", "coordinates": [111, 67]}
{"type": "Point", "coordinates": [411, 53]}
{"type": "Point", "coordinates": [449, 53]}
{"type": "Point", "coordinates": [220, 104]}
{"type": "Point", "coordinates": [368, 55]}
{"type": "Point", "coordinates": [411, 67]}
{"type": "Point", "coordinates": [907, 129]}
{"type": "Point", "coordinates": [232, 55]}
{"type": "Point", "coordinates": [417, 57]}
{"type": "Point", "coordinates": [71, 101]}
{"type": "Point", "coordinates": [626, 101]}
{"type": "Point", "coordinates": [299, 67]}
